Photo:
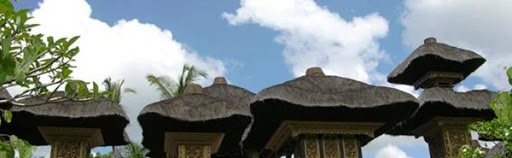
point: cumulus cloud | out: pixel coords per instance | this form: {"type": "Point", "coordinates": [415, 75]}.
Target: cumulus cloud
{"type": "Point", "coordinates": [391, 151]}
{"type": "Point", "coordinates": [314, 36]}
{"type": "Point", "coordinates": [42, 151]}
{"type": "Point", "coordinates": [401, 141]}
{"type": "Point", "coordinates": [128, 49]}
{"type": "Point", "coordinates": [479, 25]}
{"type": "Point", "coordinates": [462, 88]}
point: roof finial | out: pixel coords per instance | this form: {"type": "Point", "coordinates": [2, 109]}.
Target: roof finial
{"type": "Point", "coordinates": [219, 80]}
{"type": "Point", "coordinates": [430, 40]}
{"type": "Point", "coordinates": [315, 71]}
{"type": "Point", "coordinates": [193, 89]}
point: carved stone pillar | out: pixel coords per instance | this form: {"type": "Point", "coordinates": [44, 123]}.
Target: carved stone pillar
{"type": "Point", "coordinates": [446, 135]}
{"type": "Point", "coordinates": [322, 139]}
{"type": "Point", "coordinates": [71, 142]}
{"type": "Point", "coordinates": [194, 151]}
{"type": "Point", "coordinates": [329, 147]}
{"type": "Point", "coordinates": [192, 145]}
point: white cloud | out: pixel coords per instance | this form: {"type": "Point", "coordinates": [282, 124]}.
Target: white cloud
{"type": "Point", "coordinates": [480, 87]}
{"type": "Point", "coordinates": [462, 88]}
{"type": "Point", "coordinates": [314, 36]}
{"type": "Point", "coordinates": [383, 141]}
{"type": "Point", "coordinates": [42, 151]}
{"type": "Point", "coordinates": [391, 151]}
{"type": "Point", "coordinates": [128, 50]}
{"type": "Point", "coordinates": [479, 25]}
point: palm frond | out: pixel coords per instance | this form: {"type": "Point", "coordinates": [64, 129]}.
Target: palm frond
{"type": "Point", "coordinates": [129, 90]}
{"type": "Point", "coordinates": [133, 150]}
{"type": "Point", "coordinates": [113, 89]}
{"type": "Point", "coordinates": [189, 74]}
{"type": "Point", "coordinates": [163, 84]}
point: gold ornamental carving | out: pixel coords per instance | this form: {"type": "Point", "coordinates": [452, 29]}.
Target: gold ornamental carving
{"type": "Point", "coordinates": [292, 129]}
{"type": "Point", "coordinates": [71, 142]}
{"type": "Point", "coordinates": [331, 147]}
{"type": "Point", "coordinates": [312, 148]}
{"type": "Point", "coordinates": [191, 144]}
{"type": "Point", "coordinates": [351, 148]}
{"type": "Point", "coordinates": [194, 151]}
{"type": "Point", "coordinates": [445, 135]}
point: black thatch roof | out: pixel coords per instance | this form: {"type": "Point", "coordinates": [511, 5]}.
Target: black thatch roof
{"type": "Point", "coordinates": [325, 98]}
{"type": "Point", "coordinates": [433, 56]}
{"type": "Point", "coordinates": [447, 103]}
{"type": "Point", "coordinates": [98, 113]}
{"type": "Point", "coordinates": [216, 109]}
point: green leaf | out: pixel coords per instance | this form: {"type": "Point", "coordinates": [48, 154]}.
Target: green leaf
{"type": "Point", "coordinates": [509, 74]}
{"type": "Point", "coordinates": [25, 149]}
{"type": "Point", "coordinates": [72, 40]}
{"type": "Point", "coordinates": [8, 65]}
{"type": "Point", "coordinates": [7, 116]}
{"type": "Point", "coordinates": [66, 72]}
{"type": "Point", "coordinates": [6, 6]}
{"type": "Point", "coordinates": [6, 150]}
{"type": "Point", "coordinates": [3, 76]}
{"type": "Point", "coordinates": [6, 45]}
{"type": "Point", "coordinates": [95, 89]}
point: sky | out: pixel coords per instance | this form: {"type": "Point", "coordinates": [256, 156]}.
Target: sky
{"type": "Point", "coordinates": [259, 43]}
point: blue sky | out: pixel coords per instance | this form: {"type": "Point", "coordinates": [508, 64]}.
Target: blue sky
{"type": "Point", "coordinates": [255, 46]}
{"type": "Point", "coordinates": [199, 25]}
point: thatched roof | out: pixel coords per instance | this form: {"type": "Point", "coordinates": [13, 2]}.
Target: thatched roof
{"type": "Point", "coordinates": [194, 107]}
{"type": "Point", "coordinates": [98, 113]}
{"type": "Point", "coordinates": [316, 97]}
{"type": "Point", "coordinates": [4, 94]}
{"type": "Point", "coordinates": [476, 99]}
{"type": "Point", "coordinates": [218, 108]}
{"type": "Point", "coordinates": [433, 56]}
{"type": "Point", "coordinates": [448, 103]}
{"type": "Point", "coordinates": [232, 93]}
{"type": "Point", "coordinates": [73, 109]}
{"type": "Point", "coordinates": [332, 91]}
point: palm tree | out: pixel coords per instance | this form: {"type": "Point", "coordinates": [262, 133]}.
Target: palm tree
{"type": "Point", "coordinates": [169, 88]}
{"type": "Point", "coordinates": [113, 89]}
{"type": "Point", "coordinates": [133, 150]}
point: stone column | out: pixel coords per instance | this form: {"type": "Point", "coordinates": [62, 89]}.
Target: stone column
{"type": "Point", "coordinates": [322, 139]}
{"type": "Point", "coordinates": [192, 145]}
{"type": "Point", "coordinates": [71, 142]}
{"type": "Point", "coordinates": [445, 135]}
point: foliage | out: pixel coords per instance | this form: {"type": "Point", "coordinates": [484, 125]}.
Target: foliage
{"type": "Point", "coordinates": [133, 150]}
{"type": "Point", "coordinates": [113, 89]}
{"type": "Point", "coordinates": [107, 155]}
{"type": "Point", "coordinates": [38, 64]}
{"type": "Point", "coordinates": [499, 128]}
{"type": "Point", "coordinates": [169, 88]}
{"type": "Point", "coordinates": [8, 148]}
{"type": "Point", "coordinates": [467, 151]}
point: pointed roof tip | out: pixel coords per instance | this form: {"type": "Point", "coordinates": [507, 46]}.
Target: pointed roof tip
{"type": "Point", "coordinates": [193, 89]}
{"type": "Point", "coordinates": [430, 40]}
{"type": "Point", "coordinates": [315, 71]}
{"type": "Point", "coordinates": [220, 81]}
